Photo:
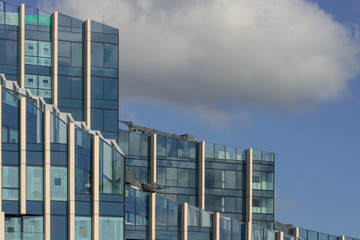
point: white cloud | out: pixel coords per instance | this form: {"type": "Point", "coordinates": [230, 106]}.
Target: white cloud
{"type": "Point", "coordinates": [226, 54]}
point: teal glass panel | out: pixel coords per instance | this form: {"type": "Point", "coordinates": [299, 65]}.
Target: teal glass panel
{"type": "Point", "coordinates": [160, 175]}
{"type": "Point", "coordinates": [303, 233]}
{"type": "Point", "coordinates": [206, 219]}
{"type": "Point", "coordinates": [257, 155]}
{"type": "Point", "coordinates": [267, 181]}
{"type": "Point", "coordinates": [34, 124]}
{"type": "Point", "coordinates": [193, 216]}
{"type": "Point", "coordinates": [11, 16]}
{"type": "Point", "coordinates": [34, 183]}
{"type": "Point", "coordinates": [256, 180]}
{"type": "Point", "coordinates": [192, 150]}
{"type": "Point", "coordinates": [10, 118]}
{"type": "Point", "coordinates": [77, 54]}
{"type": "Point", "coordinates": [209, 150]}
{"type": "Point", "coordinates": [111, 89]}
{"type": "Point", "coordinates": [31, 16]}
{"type": "Point", "coordinates": [31, 81]}
{"type": "Point", "coordinates": [82, 162]}
{"type": "Point", "coordinates": [45, 19]}
{"type": "Point", "coordinates": [97, 54]}
{"type": "Point", "coordinates": [10, 183]}
{"type": "Point", "coordinates": [171, 176]}
{"type": "Point", "coordinates": [240, 180]}
{"type": "Point", "coordinates": [134, 144]}
{"type": "Point", "coordinates": [238, 230]}
{"type": "Point", "coordinates": [257, 233]}
{"type": "Point", "coordinates": [58, 186]}
{"type": "Point", "coordinates": [225, 228]}
{"type": "Point", "coordinates": [240, 154]}
{"type": "Point", "coordinates": [31, 48]}
{"type": "Point", "coordinates": [240, 206]}
{"type": "Point", "coordinates": [256, 202]}
{"type": "Point", "coordinates": [161, 145]}
{"type": "Point", "coordinates": [230, 179]}
{"type": "Point", "coordinates": [2, 12]}
{"type": "Point", "coordinates": [124, 141]}
{"type": "Point", "coordinates": [312, 235]}
{"type": "Point", "coordinates": [33, 227]}
{"type": "Point", "coordinates": [111, 55]}
{"type": "Point", "coordinates": [173, 213]}
{"type": "Point", "coordinates": [111, 228]}
{"type": "Point", "coordinates": [142, 208]}
{"type": "Point", "coordinates": [161, 211]}
{"type": "Point", "coordinates": [58, 130]}
{"type": "Point", "coordinates": [230, 204]}
{"type": "Point", "coordinates": [12, 228]}
{"type": "Point", "coordinates": [144, 142]}
{"type": "Point", "coordinates": [82, 228]}
{"type": "Point", "coordinates": [183, 177]}
{"type": "Point", "coordinates": [219, 151]}
{"type": "Point", "coordinates": [172, 147]}
{"type": "Point", "coordinates": [44, 49]}
{"type": "Point", "coordinates": [231, 153]}
{"type": "Point", "coordinates": [183, 149]}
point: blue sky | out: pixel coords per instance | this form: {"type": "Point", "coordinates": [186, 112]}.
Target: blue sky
{"type": "Point", "coordinates": [314, 130]}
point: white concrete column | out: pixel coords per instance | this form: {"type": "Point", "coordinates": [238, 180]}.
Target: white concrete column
{"type": "Point", "coordinates": [88, 73]}
{"type": "Point", "coordinates": [22, 145]}
{"type": "Point", "coordinates": [341, 238]}
{"type": "Point", "coordinates": [295, 232]}
{"type": "Point", "coordinates": [248, 231]}
{"type": "Point", "coordinates": [55, 54]}
{"type": "Point", "coordinates": [2, 225]}
{"type": "Point", "coordinates": [95, 188]}
{"type": "Point", "coordinates": [22, 46]}
{"type": "Point", "coordinates": [202, 175]}
{"type": "Point", "coordinates": [153, 140]}
{"type": "Point", "coordinates": [216, 226]}
{"type": "Point", "coordinates": [47, 169]}
{"type": "Point", "coordinates": [280, 235]}
{"type": "Point", "coordinates": [152, 223]}
{"type": "Point", "coordinates": [249, 176]}
{"type": "Point", "coordinates": [184, 221]}
{"type": "Point", "coordinates": [71, 180]}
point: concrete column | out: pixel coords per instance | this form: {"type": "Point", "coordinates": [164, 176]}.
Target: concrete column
{"type": "Point", "coordinates": [341, 238]}
{"type": "Point", "coordinates": [248, 231]}
{"type": "Point", "coordinates": [22, 46]}
{"type": "Point", "coordinates": [47, 181]}
{"type": "Point", "coordinates": [202, 175]}
{"type": "Point", "coordinates": [55, 43]}
{"type": "Point", "coordinates": [153, 158]}
{"type": "Point", "coordinates": [216, 226]}
{"type": "Point", "coordinates": [152, 223]}
{"type": "Point", "coordinates": [88, 73]}
{"type": "Point", "coordinates": [295, 232]}
{"type": "Point", "coordinates": [2, 225]}
{"type": "Point", "coordinates": [22, 145]}
{"type": "Point", "coordinates": [249, 176]}
{"type": "Point", "coordinates": [184, 221]}
{"type": "Point", "coordinates": [95, 188]}
{"type": "Point", "coordinates": [280, 235]}
{"type": "Point", "coordinates": [71, 180]}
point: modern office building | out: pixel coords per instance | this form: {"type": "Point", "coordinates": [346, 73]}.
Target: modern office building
{"type": "Point", "coordinates": [68, 172]}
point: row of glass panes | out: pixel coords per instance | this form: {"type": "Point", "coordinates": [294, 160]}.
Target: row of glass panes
{"type": "Point", "coordinates": [312, 235]}
{"type": "Point", "coordinates": [263, 205]}
{"type": "Point", "coordinates": [259, 233]}
{"type": "Point", "coordinates": [216, 151]}
{"type": "Point", "coordinates": [259, 155]}
{"type": "Point", "coordinates": [175, 148]}
{"type": "Point", "coordinates": [9, 14]}
{"type": "Point", "coordinates": [263, 180]}
{"type": "Point", "coordinates": [31, 227]}
{"type": "Point", "coordinates": [37, 53]}
{"type": "Point", "coordinates": [38, 85]}
{"type": "Point", "coordinates": [36, 17]}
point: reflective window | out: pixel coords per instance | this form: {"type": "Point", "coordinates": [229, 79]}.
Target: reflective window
{"type": "Point", "coordinates": [10, 183]}
{"type": "Point", "coordinates": [33, 227]}
{"type": "Point", "coordinates": [58, 178]}
{"type": "Point", "coordinates": [34, 124]}
{"type": "Point", "coordinates": [111, 228]}
{"type": "Point", "coordinates": [263, 205]}
{"type": "Point", "coordinates": [58, 130]}
{"type": "Point", "coordinates": [10, 118]}
{"type": "Point", "coordinates": [11, 15]}
{"type": "Point", "coordinates": [82, 228]}
{"type": "Point", "coordinates": [34, 183]}
{"type": "Point", "coordinates": [82, 162]}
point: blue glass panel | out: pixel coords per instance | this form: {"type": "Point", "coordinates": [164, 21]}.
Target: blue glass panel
{"type": "Point", "coordinates": [58, 130]}
{"type": "Point", "coordinates": [110, 120]}
{"type": "Point", "coordinates": [111, 55]}
{"type": "Point", "coordinates": [97, 54]}
{"type": "Point", "coordinates": [10, 119]}
{"type": "Point", "coordinates": [34, 124]}
{"type": "Point", "coordinates": [97, 87]}
{"type": "Point", "coordinates": [58, 227]}
{"type": "Point", "coordinates": [110, 88]}
{"type": "Point", "coordinates": [82, 162]}
{"type": "Point", "coordinates": [11, 17]}
{"type": "Point", "coordinates": [111, 228]}
{"type": "Point", "coordinates": [82, 228]}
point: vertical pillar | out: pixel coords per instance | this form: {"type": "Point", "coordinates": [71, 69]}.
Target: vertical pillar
{"type": "Point", "coordinates": [341, 238]}
{"type": "Point", "coordinates": [2, 225]}
{"type": "Point", "coordinates": [47, 181]}
{"type": "Point", "coordinates": [22, 45]}
{"type": "Point", "coordinates": [184, 221]}
{"type": "Point", "coordinates": [216, 226]}
{"type": "Point", "coordinates": [202, 175]}
{"type": "Point", "coordinates": [153, 158]}
{"type": "Point", "coordinates": [249, 176]}
{"type": "Point", "coordinates": [22, 145]}
{"type": "Point", "coordinates": [280, 235]}
{"type": "Point", "coordinates": [71, 180]}
{"type": "Point", "coordinates": [95, 188]}
{"type": "Point", "coordinates": [88, 73]}
{"type": "Point", "coordinates": [152, 202]}
{"type": "Point", "coordinates": [55, 39]}
{"type": "Point", "coordinates": [295, 232]}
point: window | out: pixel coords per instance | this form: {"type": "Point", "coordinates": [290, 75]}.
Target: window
{"type": "Point", "coordinates": [82, 228]}
{"type": "Point", "coordinates": [34, 183]}
{"type": "Point", "coordinates": [58, 178]}
{"type": "Point", "coordinates": [10, 183]}
{"type": "Point", "coordinates": [37, 53]}
{"type": "Point", "coordinates": [111, 228]}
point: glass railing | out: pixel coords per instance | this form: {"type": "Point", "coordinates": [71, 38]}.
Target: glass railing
{"type": "Point", "coordinates": [24, 236]}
